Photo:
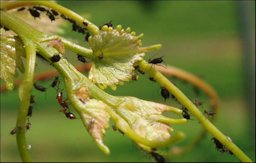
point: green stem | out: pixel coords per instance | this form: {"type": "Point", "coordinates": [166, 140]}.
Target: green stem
{"type": "Point", "coordinates": [70, 14]}
{"type": "Point", "coordinates": [164, 82]}
{"type": "Point", "coordinates": [25, 93]}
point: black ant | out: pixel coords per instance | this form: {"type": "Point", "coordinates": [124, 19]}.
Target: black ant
{"type": "Point", "coordinates": [156, 60]}
{"type": "Point", "coordinates": [185, 113]}
{"type": "Point", "coordinates": [34, 12]}
{"type": "Point", "coordinates": [39, 87]}
{"type": "Point", "coordinates": [13, 131]}
{"type": "Point", "coordinates": [55, 82]}
{"type": "Point", "coordinates": [157, 156]}
{"type": "Point", "coordinates": [70, 115]}
{"type": "Point", "coordinates": [30, 110]}
{"type": "Point", "coordinates": [165, 93]}
{"type": "Point", "coordinates": [55, 58]}
{"type": "Point", "coordinates": [81, 58]}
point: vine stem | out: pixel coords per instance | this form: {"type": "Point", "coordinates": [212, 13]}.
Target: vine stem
{"type": "Point", "coordinates": [25, 93]}
{"type": "Point", "coordinates": [164, 82]}
{"type": "Point", "coordinates": [70, 14]}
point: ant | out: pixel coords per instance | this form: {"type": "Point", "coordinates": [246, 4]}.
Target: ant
{"type": "Point", "coordinates": [64, 105]}
{"type": "Point", "coordinates": [109, 24]}
{"type": "Point", "coordinates": [165, 93]}
{"type": "Point", "coordinates": [197, 102]}
{"type": "Point", "coordinates": [55, 13]}
{"type": "Point", "coordinates": [39, 87]}
{"type": "Point", "coordinates": [55, 58]}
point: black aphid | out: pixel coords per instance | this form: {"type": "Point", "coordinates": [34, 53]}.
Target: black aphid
{"type": "Point", "coordinates": [6, 29]}
{"type": "Point", "coordinates": [109, 24]}
{"type": "Point", "coordinates": [85, 23]}
{"type": "Point", "coordinates": [139, 70]}
{"type": "Point", "coordinates": [39, 8]}
{"type": "Point", "coordinates": [220, 147]}
{"type": "Point", "coordinates": [165, 93]}
{"type": "Point", "coordinates": [70, 115]}
{"type": "Point", "coordinates": [34, 12]}
{"type": "Point", "coordinates": [152, 79]}
{"type": "Point", "coordinates": [185, 113]}
{"type": "Point", "coordinates": [50, 16]}
{"type": "Point", "coordinates": [86, 38]}
{"type": "Point", "coordinates": [156, 60]}
{"type": "Point", "coordinates": [32, 99]}
{"type": "Point", "coordinates": [14, 131]}
{"type": "Point", "coordinates": [55, 82]}
{"type": "Point", "coordinates": [28, 125]}
{"type": "Point", "coordinates": [81, 58]}
{"type": "Point", "coordinates": [30, 111]}
{"type": "Point", "coordinates": [39, 87]}
{"type": "Point", "coordinates": [55, 13]}
{"type": "Point", "coordinates": [21, 9]}
{"type": "Point", "coordinates": [55, 58]}
{"type": "Point", "coordinates": [157, 156]}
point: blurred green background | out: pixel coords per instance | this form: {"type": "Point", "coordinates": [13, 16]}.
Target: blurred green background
{"type": "Point", "coordinates": [202, 37]}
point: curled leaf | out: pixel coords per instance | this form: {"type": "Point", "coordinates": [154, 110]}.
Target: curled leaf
{"type": "Point", "coordinates": [95, 118]}
{"type": "Point", "coordinates": [143, 121]}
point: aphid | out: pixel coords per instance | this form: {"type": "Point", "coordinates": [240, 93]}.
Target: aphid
{"type": "Point", "coordinates": [139, 70]}
{"type": "Point", "coordinates": [6, 29]}
{"type": "Point", "coordinates": [85, 23]}
{"type": "Point", "coordinates": [80, 30]}
{"type": "Point", "coordinates": [74, 27]}
{"type": "Point", "coordinates": [157, 156]}
{"type": "Point", "coordinates": [86, 38]}
{"type": "Point", "coordinates": [28, 125]}
{"type": "Point", "coordinates": [39, 87]}
{"type": "Point", "coordinates": [117, 129]}
{"type": "Point", "coordinates": [109, 24]}
{"type": "Point", "coordinates": [13, 131]}
{"type": "Point", "coordinates": [55, 58]}
{"type": "Point", "coordinates": [32, 99]}
{"type": "Point", "coordinates": [220, 147]}
{"type": "Point", "coordinates": [152, 79]}
{"type": "Point", "coordinates": [165, 93]}
{"type": "Point", "coordinates": [209, 113]}
{"type": "Point", "coordinates": [100, 56]}
{"type": "Point", "coordinates": [39, 8]}
{"type": "Point", "coordinates": [156, 60]}
{"type": "Point", "coordinates": [21, 9]}
{"type": "Point", "coordinates": [55, 82]}
{"type": "Point", "coordinates": [185, 113]}
{"type": "Point", "coordinates": [34, 12]}
{"type": "Point", "coordinates": [70, 115]}
{"type": "Point", "coordinates": [50, 16]}
{"type": "Point", "coordinates": [55, 13]}
{"type": "Point", "coordinates": [81, 58]}
{"type": "Point", "coordinates": [30, 110]}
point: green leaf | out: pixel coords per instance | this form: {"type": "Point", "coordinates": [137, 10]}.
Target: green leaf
{"type": "Point", "coordinates": [115, 52]}
{"type": "Point", "coordinates": [7, 60]}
